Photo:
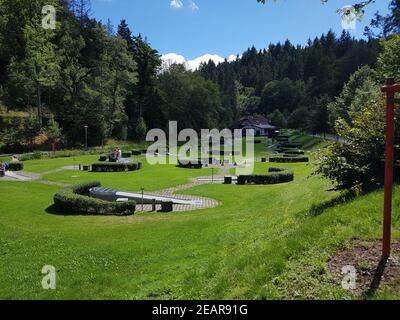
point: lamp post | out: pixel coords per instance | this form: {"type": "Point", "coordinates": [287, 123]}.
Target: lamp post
{"type": "Point", "coordinates": [86, 137]}
{"type": "Point", "coordinates": [390, 89]}
{"type": "Point", "coordinates": [142, 189]}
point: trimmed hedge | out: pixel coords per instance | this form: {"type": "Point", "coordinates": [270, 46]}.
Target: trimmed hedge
{"type": "Point", "coordinates": [116, 167]}
{"type": "Point", "coordinates": [289, 145]}
{"type": "Point", "coordinates": [103, 158]}
{"type": "Point", "coordinates": [15, 166]}
{"type": "Point", "coordinates": [126, 154]}
{"type": "Point", "coordinates": [190, 164]}
{"type": "Point", "coordinates": [290, 159]}
{"type": "Point", "coordinates": [275, 176]}
{"type": "Point", "coordinates": [76, 200]}
{"type": "Point", "coordinates": [136, 152]}
{"type": "Point", "coordinates": [281, 139]}
{"type": "Point", "coordinates": [196, 164]}
{"type": "Point", "coordinates": [225, 152]}
{"type": "Point", "coordinates": [292, 151]}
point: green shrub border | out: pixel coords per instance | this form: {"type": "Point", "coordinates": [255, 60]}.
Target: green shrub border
{"type": "Point", "coordinates": [289, 145]}
{"type": "Point", "coordinates": [275, 176]}
{"type": "Point", "coordinates": [116, 167]}
{"type": "Point", "coordinates": [15, 166]}
{"type": "Point", "coordinates": [190, 164]}
{"type": "Point", "coordinates": [290, 159]}
{"type": "Point", "coordinates": [292, 151]}
{"type": "Point", "coordinates": [76, 200]}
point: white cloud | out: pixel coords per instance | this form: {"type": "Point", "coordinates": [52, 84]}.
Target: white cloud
{"type": "Point", "coordinates": [193, 6]}
{"type": "Point", "coordinates": [171, 58]}
{"type": "Point", "coordinates": [195, 64]}
{"type": "Point", "coordinates": [176, 4]}
{"type": "Point", "coordinates": [233, 57]}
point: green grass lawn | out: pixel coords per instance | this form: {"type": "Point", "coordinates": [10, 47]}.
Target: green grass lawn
{"type": "Point", "coordinates": [263, 242]}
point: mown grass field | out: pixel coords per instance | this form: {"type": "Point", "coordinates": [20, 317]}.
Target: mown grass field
{"type": "Point", "coordinates": [263, 242]}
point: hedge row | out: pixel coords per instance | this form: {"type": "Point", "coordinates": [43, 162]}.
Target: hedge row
{"type": "Point", "coordinates": [190, 164]}
{"type": "Point", "coordinates": [76, 200]}
{"type": "Point", "coordinates": [290, 145]}
{"type": "Point", "coordinates": [225, 152]}
{"type": "Point", "coordinates": [275, 176]}
{"type": "Point", "coordinates": [289, 159]}
{"type": "Point", "coordinates": [139, 152]}
{"type": "Point", "coordinates": [15, 166]}
{"type": "Point", "coordinates": [292, 151]}
{"type": "Point", "coordinates": [116, 167]}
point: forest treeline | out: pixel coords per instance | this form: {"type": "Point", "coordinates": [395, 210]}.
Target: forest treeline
{"type": "Point", "coordinates": [53, 83]}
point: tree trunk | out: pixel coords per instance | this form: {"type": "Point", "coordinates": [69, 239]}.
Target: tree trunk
{"type": "Point", "coordinates": [39, 105]}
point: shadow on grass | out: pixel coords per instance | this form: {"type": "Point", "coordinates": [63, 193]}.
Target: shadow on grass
{"type": "Point", "coordinates": [376, 280]}
{"type": "Point", "coordinates": [318, 209]}
{"type": "Point", "coordinates": [52, 210]}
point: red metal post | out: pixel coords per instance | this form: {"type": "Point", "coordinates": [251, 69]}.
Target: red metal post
{"type": "Point", "coordinates": [390, 90]}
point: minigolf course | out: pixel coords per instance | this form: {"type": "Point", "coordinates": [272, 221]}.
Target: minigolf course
{"type": "Point", "coordinates": [109, 194]}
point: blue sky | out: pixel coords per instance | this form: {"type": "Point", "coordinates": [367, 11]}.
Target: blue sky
{"type": "Point", "coordinates": [225, 27]}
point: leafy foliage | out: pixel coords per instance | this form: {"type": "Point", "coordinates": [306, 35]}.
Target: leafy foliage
{"type": "Point", "coordinates": [275, 176]}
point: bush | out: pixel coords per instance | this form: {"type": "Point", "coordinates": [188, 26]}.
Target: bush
{"type": "Point", "coordinates": [37, 155]}
{"type": "Point", "coordinates": [76, 200]}
{"type": "Point", "coordinates": [103, 158]}
{"type": "Point", "coordinates": [116, 167]}
{"type": "Point", "coordinates": [190, 164]}
{"type": "Point", "coordinates": [15, 166]}
{"type": "Point", "coordinates": [275, 176]}
{"type": "Point", "coordinates": [126, 155]}
{"type": "Point", "coordinates": [292, 151]}
{"type": "Point", "coordinates": [224, 153]}
{"type": "Point", "coordinates": [289, 159]}
{"type": "Point", "coordinates": [282, 139]}
{"type": "Point", "coordinates": [290, 145]}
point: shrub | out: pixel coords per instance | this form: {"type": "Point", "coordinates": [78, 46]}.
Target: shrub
{"type": "Point", "coordinates": [224, 152]}
{"type": "Point", "coordinates": [126, 154]}
{"type": "Point", "coordinates": [190, 164]}
{"type": "Point", "coordinates": [15, 166]}
{"type": "Point", "coordinates": [290, 159]}
{"type": "Point", "coordinates": [291, 151]}
{"type": "Point", "coordinates": [282, 139]}
{"type": "Point", "coordinates": [289, 145]}
{"type": "Point", "coordinates": [116, 167]}
{"type": "Point", "coordinates": [103, 158]}
{"type": "Point", "coordinates": [136, 152]}
{"type": "Point", "coordinates": [37, 155]}
{"type": "Point", "coordinates": [76, 200]}
{"type": "Point", "coordinates": [275, 176]}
